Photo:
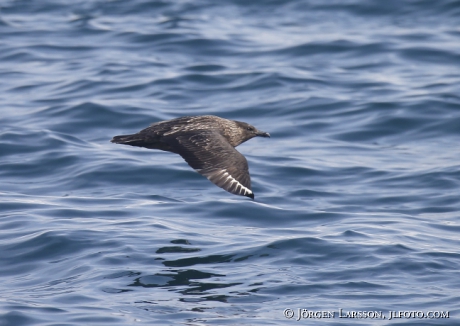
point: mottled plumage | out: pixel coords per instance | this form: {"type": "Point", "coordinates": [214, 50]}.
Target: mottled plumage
{"type": "Point", "coordinates": [207, 143]}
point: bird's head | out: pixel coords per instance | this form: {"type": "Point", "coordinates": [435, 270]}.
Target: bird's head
{"type": "Point", "coordinates": [247, 131]}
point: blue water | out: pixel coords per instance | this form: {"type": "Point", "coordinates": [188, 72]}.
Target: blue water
{"type": "Point", "coordinates": [357, 191]}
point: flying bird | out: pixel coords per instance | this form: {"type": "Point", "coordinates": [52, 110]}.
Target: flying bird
{"type": "Point", "coordinates": [207, 143]}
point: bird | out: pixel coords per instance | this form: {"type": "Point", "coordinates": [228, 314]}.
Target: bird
{"type": "Point", "coordinates": [207, 143]}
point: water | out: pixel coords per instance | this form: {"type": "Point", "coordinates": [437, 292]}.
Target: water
{"type": "Point", "coordinates": [356, 192]}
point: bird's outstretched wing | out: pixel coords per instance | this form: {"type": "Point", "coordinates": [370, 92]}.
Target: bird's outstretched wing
{"type": "Point", "coordinates": [209, 153]}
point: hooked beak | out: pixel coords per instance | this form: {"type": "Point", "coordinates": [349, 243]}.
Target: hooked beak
{"type": "Point", "coordinates": [263, 134]}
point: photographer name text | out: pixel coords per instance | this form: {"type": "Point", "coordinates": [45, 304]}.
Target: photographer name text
{"type": "Point", "coordinates": [299, 314]}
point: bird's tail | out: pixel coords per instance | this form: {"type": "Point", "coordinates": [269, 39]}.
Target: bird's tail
{"type": "Point", "coordinates": [132, 140]}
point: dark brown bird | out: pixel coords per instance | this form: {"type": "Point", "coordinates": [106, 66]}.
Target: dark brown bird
{"type": "Point", "coordinates": [207, 143]}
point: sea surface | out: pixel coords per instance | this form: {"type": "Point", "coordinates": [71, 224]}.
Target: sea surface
{"type": "Point", "coordinates": [356, 217]}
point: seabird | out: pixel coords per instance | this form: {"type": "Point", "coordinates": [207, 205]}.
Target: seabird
{"type": "Point", "coordinates": [207, 143]}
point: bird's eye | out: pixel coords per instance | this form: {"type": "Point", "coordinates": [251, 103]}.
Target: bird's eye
{"type": "Point", "coordinates": [249, 128]}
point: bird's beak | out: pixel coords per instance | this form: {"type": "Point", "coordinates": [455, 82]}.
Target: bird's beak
{"type": "Point", "coordinates": [263, 134]}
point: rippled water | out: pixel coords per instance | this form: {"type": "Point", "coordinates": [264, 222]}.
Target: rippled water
{"type": "Point", "coordinates": [356, 192]}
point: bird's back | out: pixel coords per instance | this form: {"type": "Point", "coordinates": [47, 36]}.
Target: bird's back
{"type": "Point", "coordinates": [155, 136]}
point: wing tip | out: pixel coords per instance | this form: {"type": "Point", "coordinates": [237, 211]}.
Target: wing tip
{"type": "Point", "coordinates": [251, 195]}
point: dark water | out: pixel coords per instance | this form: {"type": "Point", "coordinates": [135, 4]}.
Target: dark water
{"type": "Point", "coordinates": [357, 192]}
